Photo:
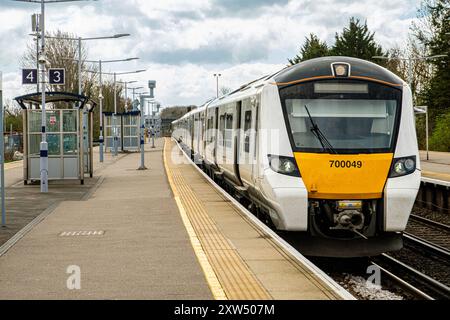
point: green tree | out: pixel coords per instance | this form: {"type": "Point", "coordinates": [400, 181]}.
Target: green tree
{"type": "Point", "coordinates": [440, 139]}
{"type": "Point", "coordinates": [431, 30]}
{"type": "Point", "coordinates": [356, 41]}
{"type": "Point", "coordinates": [312, 48]}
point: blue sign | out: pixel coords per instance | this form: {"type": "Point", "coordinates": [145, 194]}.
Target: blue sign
{"type": "Point", "coordinates": [29, 76]}
{"type": "Point", "coordinates": [56, 76]}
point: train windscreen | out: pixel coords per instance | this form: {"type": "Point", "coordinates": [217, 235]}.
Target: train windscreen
{"type": "Point", "coordinates": [342, 117]}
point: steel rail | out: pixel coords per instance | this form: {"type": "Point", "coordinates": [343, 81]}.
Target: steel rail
{"type": "Point", "coordinates": [440, 290]}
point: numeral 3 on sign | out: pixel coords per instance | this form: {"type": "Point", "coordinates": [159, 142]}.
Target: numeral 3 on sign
{"type": "Point", "coordinates": [56, 76]}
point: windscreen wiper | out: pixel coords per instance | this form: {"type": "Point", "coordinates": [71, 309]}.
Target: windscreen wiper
{"type": "Point", "coordinates": [326, 145]}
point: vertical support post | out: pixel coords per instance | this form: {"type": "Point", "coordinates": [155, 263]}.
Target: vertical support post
{"type": "Point", "coordinates": [81, 152]}
{"type": "Point", "coordinates": [126, 97]}
{"type": "Point", "coordinates": [37, 57]}
{"type": "Point", "coordinates": [79, 68]}
{"type": "Point", "coordinates": [2, 156]}
{"type": "Point", "coordinates": [153, 127]}
{"type": "Point", "coordinates": [141, 136]}
{"type": "Point", "coordinates": [115, 139]}
{"type": "Point", "coordinates": [43, 163]}
{"type": "Point", "coordinates": [100, 98]}
{"type": "Point", "coordinates": [11, 142]}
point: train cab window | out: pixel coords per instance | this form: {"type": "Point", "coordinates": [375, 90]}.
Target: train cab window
{"type": "Point", "coordinates": [247, 127]}
{"type": "Point", "coordinates": [354, 117]}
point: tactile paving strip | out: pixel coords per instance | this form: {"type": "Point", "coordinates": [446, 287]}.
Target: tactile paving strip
{"type": "Point", "coordinates": [237, 280]}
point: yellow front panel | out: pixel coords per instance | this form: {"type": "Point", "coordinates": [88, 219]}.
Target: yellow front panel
{"type": "Point", "coordinates": [356, 176]}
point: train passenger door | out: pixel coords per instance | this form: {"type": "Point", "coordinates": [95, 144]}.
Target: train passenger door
{"type": "Point", "coordinates": [247, 140]}
{"type": "Point", "coordinates": [220, 154]}
{"type": "Point", "coordinates": [254, 138]}
{"type": "Point", "coordinates": [201, 149]}
{"type": "Point", "coordinates": [246, 144]}
{"type": "Point", "coordinates": [210, 136]}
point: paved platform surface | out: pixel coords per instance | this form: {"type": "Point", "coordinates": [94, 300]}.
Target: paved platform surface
{"type": "Point", "coordinates": [245, 260]}
{"type": "Point", "coordinates": [24, 203]}
{"type": "Point", "coordinates": [128, 240]}
{"type": "Point", "coordinates": [151, 235]}
{"type": "Point", "coordinates": [438, 165]}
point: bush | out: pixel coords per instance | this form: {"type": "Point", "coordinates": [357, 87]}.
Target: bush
{"type": "Point", "coordinates": [440, 138]}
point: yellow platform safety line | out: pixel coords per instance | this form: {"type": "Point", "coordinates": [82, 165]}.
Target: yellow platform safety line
{"type": "Point", "coordinates": [211, 278]}
{"type": "Point", "coordinates": [223, 266]}
{"type": "Point", "coordinates": [436, 175]}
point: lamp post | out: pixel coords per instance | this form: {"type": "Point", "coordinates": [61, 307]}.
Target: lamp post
{"type": "Point", "coordinates": [134, 91]}
{"type": "Point", "coordinates": [410, 80]}
{"type": "Point", "coordinates": [79, 40]}
{"type": "Point", "coordinates": [126, 92]}
{"type": "Point", "coordinates": [217, 75]}
{"type": "Point", "coordinates": [410, 61]}
{"type": "Point", "coordinates": [43, 160]}
{"type": "Point", "coordinates": [115, 74]}
{"type": "Point", "coordinates": [100, 95]}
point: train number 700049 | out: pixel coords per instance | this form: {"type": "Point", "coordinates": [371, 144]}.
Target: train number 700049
{"type": "Point", "coordinates": [345, 164]}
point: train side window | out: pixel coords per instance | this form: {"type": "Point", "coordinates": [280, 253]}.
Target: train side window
{"type": "Point", "coordinates": [247, 126]}
{"type": "Point", "coordinates": [211, 128]}
{"type": "Point", "coordinates": [228, 130]}
{"type": "Point", "coordinates": [221, 129]}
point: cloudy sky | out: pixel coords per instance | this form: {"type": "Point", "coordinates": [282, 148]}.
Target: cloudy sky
{"type": "Point", "coordinates": [183, 43]}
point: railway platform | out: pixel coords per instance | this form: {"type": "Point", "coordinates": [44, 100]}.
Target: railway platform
{"type": "Point", "coordinates": [437, 166]}
{"type": "Point", "coordinates": [162, 233]}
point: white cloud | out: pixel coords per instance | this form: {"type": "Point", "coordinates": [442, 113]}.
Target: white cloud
{"type": "Point", "coordinates": [183, 42]}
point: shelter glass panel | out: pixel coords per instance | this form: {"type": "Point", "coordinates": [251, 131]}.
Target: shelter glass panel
{"type": "Point", "coordinates": [54, 144]}
{"type": "Point", "coordinates": [53, 121]}
{"type": "Point", "coordinates": [34, 121]}
{"type": "Point", "coordinates": [70, 121]}
{"type": "Point", "coordinates": [70, 144]}
{"type": "Point", "coordinates": [35, 140]}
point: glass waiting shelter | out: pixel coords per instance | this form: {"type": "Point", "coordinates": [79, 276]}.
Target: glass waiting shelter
{"type": "Point", "coordinates": [69, 127]}
{"type": "Point", "coordinates": [123, 126]}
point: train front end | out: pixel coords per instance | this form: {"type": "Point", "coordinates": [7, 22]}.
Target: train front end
{"type": "Point", "coordinates": [351, 128]}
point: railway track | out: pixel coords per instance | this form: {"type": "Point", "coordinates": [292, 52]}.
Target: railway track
{"type": "Point", "coordinates": [423, 265]}
{"type": "Point", "coordinates": [397, 275]}
{"type": "Point", "coordinates": [429, 231]}
{"type": "Point", "coordinates": [413, 280]}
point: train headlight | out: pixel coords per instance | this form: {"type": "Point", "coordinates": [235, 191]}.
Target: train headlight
{"type": "Point", "coordinates": [403, 166]}
{"type": "Point", "coordinates": [284, 165]}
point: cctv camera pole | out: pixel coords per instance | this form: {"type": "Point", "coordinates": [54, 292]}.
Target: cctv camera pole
{"type": "Point", "coordinates": [44, 145]}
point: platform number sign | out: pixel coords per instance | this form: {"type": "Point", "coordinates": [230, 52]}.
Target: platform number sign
{"type": "Point", "coordinates": [29, 76]}
{"type": "Point", "coordinates": [56, 76]}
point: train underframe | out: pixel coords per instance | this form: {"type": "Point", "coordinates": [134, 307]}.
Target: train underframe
{"type": "Point", "coordinates": [335, 228]}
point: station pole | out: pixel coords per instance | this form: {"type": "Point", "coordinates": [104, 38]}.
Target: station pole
{"type": "Point", "coordinates": [141, 135]}
{"type": "Point", "coordinates": [43, 146]}
{"type": "Point", "coordinates": [153, 127]}
{"type": "Point", "coordinates": [100, 98]}
{"type": "Point", "coordinates": [115, 116]}
{"type": "Point", "coordinates": [37, 58]}
{"type": "Point", "coordinates": [126, 97]}
{"type": "Point", "coordinates": [2, 156]}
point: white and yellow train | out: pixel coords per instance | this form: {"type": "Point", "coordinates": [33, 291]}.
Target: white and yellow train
{"type": "Point", "coordinates": [325, 149]}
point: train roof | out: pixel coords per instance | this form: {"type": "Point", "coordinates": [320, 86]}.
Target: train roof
{"type": "Point", "coordinates": [314, 69]}
{"type": "Point", "coordinates": [322, 68]}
